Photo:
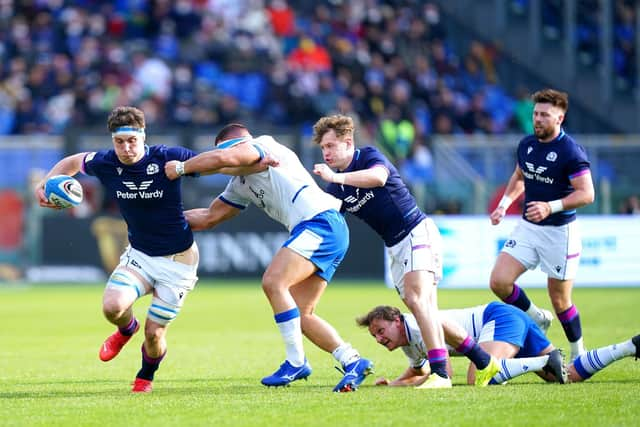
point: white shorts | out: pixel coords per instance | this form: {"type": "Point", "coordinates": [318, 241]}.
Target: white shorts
{"type": "Point", "coordinates": [555, 248]}
{"type": "Point", "coordinates": [169, 276]}
{"type": "Point", "coordinates": [420, 250]}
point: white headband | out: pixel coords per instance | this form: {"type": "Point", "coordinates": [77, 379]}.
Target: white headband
{"type": "Point", "coordinates": [127, 130]}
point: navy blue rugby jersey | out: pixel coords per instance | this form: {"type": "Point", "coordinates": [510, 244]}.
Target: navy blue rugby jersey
{"type": "Point", "coordinates": [548, 168]}
{"type": "Point", "coordinates": [390, 210]}
{"type": "Point", "coordinates": [149, 202]}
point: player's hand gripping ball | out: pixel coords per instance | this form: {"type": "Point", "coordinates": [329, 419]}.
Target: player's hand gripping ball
{"type": "Point", "coordinates": [63, 191]}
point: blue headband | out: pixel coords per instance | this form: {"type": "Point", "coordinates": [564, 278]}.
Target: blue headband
{"type": "Point", "coordinates": [127, 130]}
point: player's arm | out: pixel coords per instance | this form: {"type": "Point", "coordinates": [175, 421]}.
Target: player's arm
{"type": "Point", "coordinates": [375, 176]}
{"type": "Point", "coordinates": [262, 165]}
{"type": "Point", "coordinates": [69, 165]}
{"type": "Point", "coordinates": [582, 195]}
{"type": "Point", "coordinates": [241, 155]}
{"type": "Point", "coordinates": [204, 218]}
{"type": "Point", "coordinates": [514, 189]}
{"type": "Point", "coordinates": [410, 377]}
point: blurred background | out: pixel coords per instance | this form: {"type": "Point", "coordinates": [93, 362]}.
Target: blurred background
{"type": "Point", "coordinates": [442, 87]}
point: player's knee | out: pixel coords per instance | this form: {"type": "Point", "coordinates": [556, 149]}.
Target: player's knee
{"type": "Point", "coordinates": [499, 286]}
{"type": "Point", "coordinates": [114, 307]}
{"type": "Point", "coordinates": [270, 284]}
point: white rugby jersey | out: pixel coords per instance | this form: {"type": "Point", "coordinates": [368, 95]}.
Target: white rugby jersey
{"type": "Point", "coordinates": [468, 318]}
{"type": "Point", "coordinates": [287, 193]}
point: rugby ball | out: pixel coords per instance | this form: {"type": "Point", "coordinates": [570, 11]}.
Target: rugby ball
{"type": "Point", "coordinates": [63, 191]}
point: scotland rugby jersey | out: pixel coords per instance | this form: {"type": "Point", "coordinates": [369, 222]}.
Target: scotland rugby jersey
{"type": "Point", "coordinates": [390, 210]}
{"type": "Point", "coordinates": [548, 168]}
{"type": "Point", "coordinates": [149, 202]}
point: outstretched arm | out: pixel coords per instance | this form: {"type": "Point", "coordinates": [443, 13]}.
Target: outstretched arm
{"type": "Point", "coordinates": [410, 377]}
{"type": "Point", "coordinates": [375, 176]}
{"type": "Point", "coordinates": [70, 165]}
{"type": "Point", "coordinates": [204, 218]}
{"type": "Point", "coordinates": [242, 155]}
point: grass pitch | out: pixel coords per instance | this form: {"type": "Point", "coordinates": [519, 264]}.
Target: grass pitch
{"type": "Point", "coordinates": [225, 340]}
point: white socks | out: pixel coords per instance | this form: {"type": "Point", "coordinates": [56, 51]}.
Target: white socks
{"type": "Point", "coordinates": [511, 368]}
{"type": "Point", "coordinates": [345, 354]}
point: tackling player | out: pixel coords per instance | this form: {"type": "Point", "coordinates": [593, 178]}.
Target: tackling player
{"type": "Point", "coordinates": [553, 171]}
{"type": "Point", "coordinates": [300, 270]}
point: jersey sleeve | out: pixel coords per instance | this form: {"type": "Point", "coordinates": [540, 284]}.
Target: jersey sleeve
{"type": "Point", "coordinates": [579, 163]}
{"type": "Point", "coordinates": [92, 161]}
{"type": "Point", "coordinates": [179, 153]}
{"type": "Point", "coordinates": [414, 361]}
{"type": "Point", "coordinates": [232, 196]}
{"type": "Point", "coordinates": [372, 157]}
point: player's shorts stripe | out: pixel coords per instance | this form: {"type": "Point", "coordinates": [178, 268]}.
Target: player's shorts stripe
{"type": "Point", "coordinates": [573, 255]}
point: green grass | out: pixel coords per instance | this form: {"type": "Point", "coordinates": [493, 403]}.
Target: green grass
{"type": "Point", "coordinates": [225, 340]}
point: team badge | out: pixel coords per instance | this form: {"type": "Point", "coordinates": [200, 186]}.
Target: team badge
{"type": "Point", "coordinates": [552, 156]}
{"type": "Point", "coordinates": [152, 168]}
{"type": "Point", "coordinates": [510, 243]}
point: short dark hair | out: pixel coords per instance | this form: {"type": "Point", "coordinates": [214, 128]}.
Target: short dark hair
{"type": "Point", "coordinates": [385, 312]}
{"type": "Point", "coordinates": [231, 130]}
{"type": "Point", "coordinates": [125, 116]}
{"type": "Point", "coordinates": [551, 96]}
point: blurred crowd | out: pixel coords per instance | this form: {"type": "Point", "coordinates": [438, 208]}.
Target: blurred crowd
{"type": "Point", "coordinates": [205, 62]}
{"type": "Point", "coordinates": [588, 30]}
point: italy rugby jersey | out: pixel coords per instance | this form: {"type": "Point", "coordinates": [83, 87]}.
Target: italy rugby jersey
{"type": "Point", "coordinates": [470, 319]}
{"type": "Point", "coordinates": [286, 193]}
{"type": "Point", "coordinates": [548, 168]}
{"type": "Point", "coordinates": [390, 210]}
{"type": "Point", "coordinates": [149, 202]}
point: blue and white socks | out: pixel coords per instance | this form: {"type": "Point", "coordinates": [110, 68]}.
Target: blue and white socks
{"type": "Point", "coordinates": [288, 323]}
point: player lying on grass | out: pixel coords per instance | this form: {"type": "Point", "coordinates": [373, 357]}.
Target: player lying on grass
{"type": "Point", "coordinates": [503, 331]}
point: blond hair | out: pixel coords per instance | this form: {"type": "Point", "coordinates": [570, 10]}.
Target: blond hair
{"type": "Point", "coordinates": [341, 125]}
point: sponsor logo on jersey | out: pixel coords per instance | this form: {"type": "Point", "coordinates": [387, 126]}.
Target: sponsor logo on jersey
{"type": "Point", "coordinates": [529, 149]}
{"type": "Point", "coordinates": [152, 168]}
{"type": "Point", "coordinates": [358, 203]}
{"type": "Point", "coordinates": [139, 191]}
{"type": "Point", "coordinates": [535, 173]}
{"type": "Point", "coordinates": [119, 170]}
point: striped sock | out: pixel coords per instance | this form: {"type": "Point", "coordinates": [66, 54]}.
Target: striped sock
{"type": "Point", "coordinates": [438, 361]}
{"type": "Point", "coordinates": [570, 321]}
{"type": "Point", "coordinates": [518, 298]}
{"type": "Point", "coordinates": [474, 352]}
{"type": "Point", "coordinates": [511, 368]}
{"type": "Point", "coordinates": [593, 361]}
{"type": "Point", "coordinates": [128, 330]}
{"type": "Point", "coordinates": [149, 365]}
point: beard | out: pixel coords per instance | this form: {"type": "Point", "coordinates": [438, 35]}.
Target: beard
{"type": "Point", "coordinates": [543, 132]}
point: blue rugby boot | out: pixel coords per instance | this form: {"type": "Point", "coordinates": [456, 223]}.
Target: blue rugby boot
{"type": "Point", "coordinates": [354, 373]}
{"type": "Point", "coordinates": [287, 373]}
